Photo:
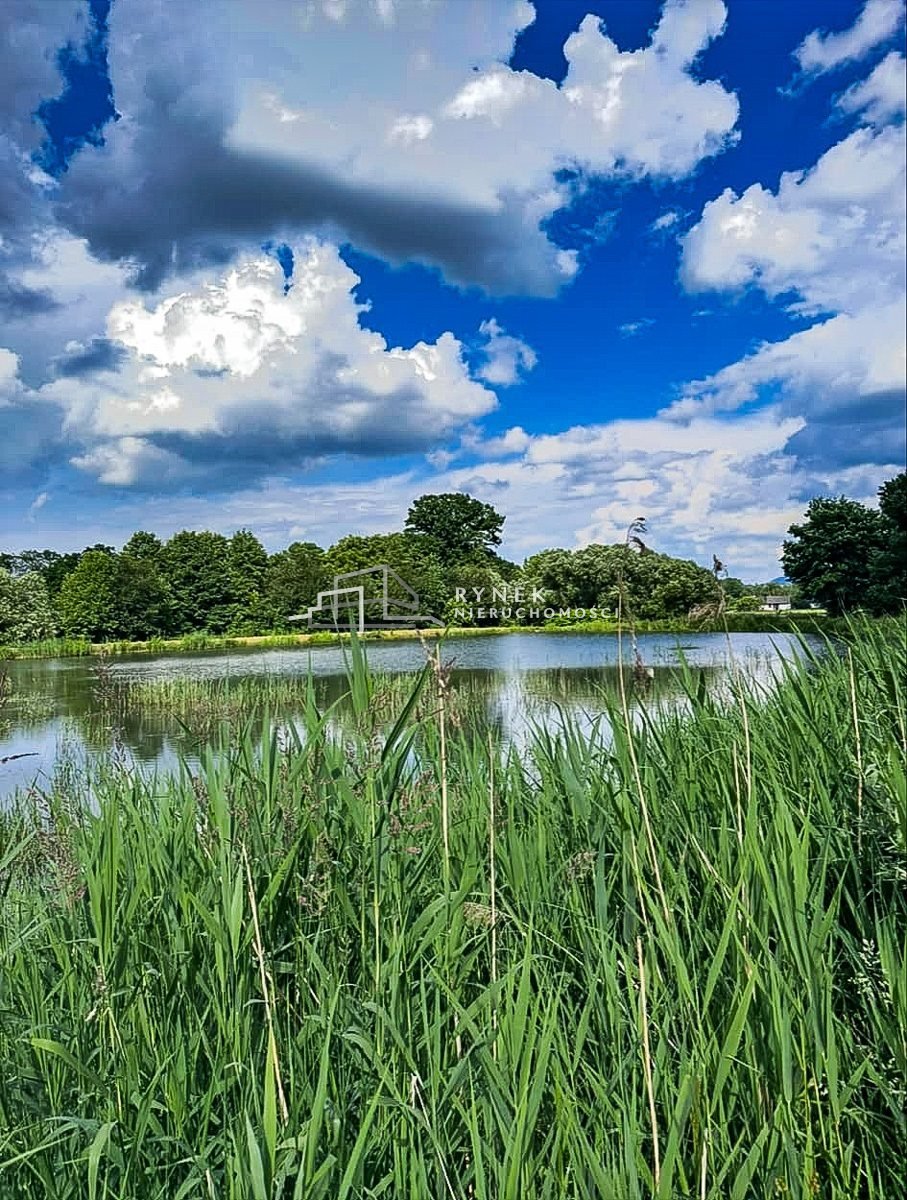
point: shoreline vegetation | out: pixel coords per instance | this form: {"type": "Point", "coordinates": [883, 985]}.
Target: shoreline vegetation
{"type": "Point", "coordinates": [669, 962]}
{"type": "Point", "coordinates": [805, 620]}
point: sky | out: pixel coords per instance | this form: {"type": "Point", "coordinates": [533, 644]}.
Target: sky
{"type": "Point", "coordinates": [287, 265]}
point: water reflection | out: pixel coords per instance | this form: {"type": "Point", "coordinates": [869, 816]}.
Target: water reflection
{"type": "Point", "coordinates": [67, 711]}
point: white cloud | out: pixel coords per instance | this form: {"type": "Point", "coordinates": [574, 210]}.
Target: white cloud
{"type": "Point", "coordinates": [666, 221]}
{"type": "Point", "coordinates": [512, 441]}
{"type": "Point", "coordinates": [9, 374]}
{"type": "Point", "coordinates": [237, 370]}
{"type": "Point", "coordinates": [712, 486]}
{"type": "Point", "coordinates": [831, 244]}
{"type": "Point", "coordinates": [832, 366]}
{"type": "Point", "coordinates": [632, 328]}
{"type": "Point", "coordinates": [833, 234]}
{"type": "Point", "coordinates": [881, 97]}
{"type": "Point", "coordinates": [506, 358]}
{"type": "Point", "coordinates": [455, 165]}
{"type": "Point", "coordinates": [410, 129]}
{"type": "Point", "coordinates": [878, 21]}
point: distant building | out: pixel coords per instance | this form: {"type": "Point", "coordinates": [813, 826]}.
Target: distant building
{"type": "Point", "coordinates": [776, 604]}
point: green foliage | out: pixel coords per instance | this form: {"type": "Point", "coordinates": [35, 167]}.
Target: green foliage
{"type": "Point", "coordinates": [665, 963]}
{"type": "Point", "coordinates": [843, 556]}
{"type": "Point", "coordinates": [411, 555]}
{"type": "Point", "coordinates": [656, 585]}
{"type": "Point", "coordinates": [195, 566]}
{"type": "Point", "coordinates": [457, 524]}
{"type": "Point", "coordinates": [734, 589]}
{"type": "Point", "coordinates": [26, 612]}
{"type": "Point", "coordinates": [831, 554]}
{"type": "Point", "coordinates": [112, 596]}
{"type": "Point", "coordinates": [295, 577]}
{"type": "Point", "coordinates": [144, 546]}
{"type": "Point", "coordinates": [888, 592]}
{"type": "Point", "coordinates": [247, 564]}
{"type": "Point", "coordinates": [89, 602]}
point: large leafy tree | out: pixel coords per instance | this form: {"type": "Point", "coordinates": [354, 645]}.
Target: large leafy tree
{"type": "Point", "coordinates": [247, 563]}
{"type": "Point", "coordinates": [196, 567]}
{"type": "Point", "coordinates": [458, 525]}
{"type": "Point", "coordinates": [144, 546]}
{"type": "Point", "coordinates": [26, 612]}
{"type": "Point", "coordinates": [413, 557]}
{"type": "Point", "coordinates": [295, 577]}
{"type": "Point", "coordinates": [112, 596]}
{"type": "Point", "coordinates": [51, 566]}
{"type": "Point", "coordinates": [888, 592]}
{"type": "Point", "coordinates": [654, 585]}
{"type": "Point", "coordinates": [89, 601]}
{"type": "Point", "coordinates": [831, 554]}
{"type": "Point", "coordinates": [145, 600]}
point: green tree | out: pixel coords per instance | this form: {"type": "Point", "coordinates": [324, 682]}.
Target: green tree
{"type": "Point", "coordinates": [830, 555]}
{"type": "Point", "coordinates": [145, 600]}
{"type": "Point", "coordinates": [295, 577]}
{"type": "Point", "coordinates": [51, 566]}
{"type": "Point", "coordinates": [655, 585]}
{"type": "Point", "coordinates": [458, 525]}
{"type": "Point", "coordinates": [247, 564]}
{"type": "Point", "coordinates": [26, 612]}
{"type": "Point", "coordinates": [485, 577]}
{"type": "Point", "coordinates": [89, 600]}
{"type": "Point", "coordinates": [144, 546]}
{"type": "Point", "coordinates": [888, 591]}
{"type": "Point", "coordinates": [195, 565]}
{"type": "Point", "coordinates": [412, 556]}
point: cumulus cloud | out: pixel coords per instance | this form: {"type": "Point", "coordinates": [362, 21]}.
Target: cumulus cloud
{"type": "Point", "coordinates": [30, 428]}
{"type": "Point", "coordinates": [442, 154]}
{"type": "Point", "coordinates": [830, 244]}
{"type": "Point", "coordinates": [846, 375]}
{"type": "Point", "coordinates": [243, 372]}
{"type": "Point", "coordinates": [834, 234]}
{"type": "Point", "coordinates": [714, 486]}
{"type": "Point", "coordinates": [883, 96]}
{"type": "Point", "coordinates": [878, 21]}
{"type": "Point", "coordinates": [505, 358]}
{"type": "Point", "coordinates": [30, 35]}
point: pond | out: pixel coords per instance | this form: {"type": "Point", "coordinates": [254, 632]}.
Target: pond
{"type": "Point", "coordinates": [154, 710]}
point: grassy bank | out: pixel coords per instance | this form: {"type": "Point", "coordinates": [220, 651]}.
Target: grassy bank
{"type": "Point", "coordinates": [670, 965]}
{"type": "Point", "coordinates": [806, 620]}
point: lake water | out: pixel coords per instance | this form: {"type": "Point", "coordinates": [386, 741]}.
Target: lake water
{"type": "Point", "coordinates": [55, 711]}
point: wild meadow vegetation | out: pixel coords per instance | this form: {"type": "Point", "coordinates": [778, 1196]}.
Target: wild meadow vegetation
{"type": "Point", "coordinates": [400, 962]}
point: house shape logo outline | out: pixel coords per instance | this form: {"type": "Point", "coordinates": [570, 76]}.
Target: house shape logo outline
{"type": "Point", "coordinates": [399, 603]}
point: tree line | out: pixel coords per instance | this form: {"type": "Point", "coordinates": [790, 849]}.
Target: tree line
{"type": "Point", "coordinates": [843, 556]}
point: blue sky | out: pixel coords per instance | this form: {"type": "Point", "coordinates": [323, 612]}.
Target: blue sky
{"type": "Point", "coordinates": [287, 265]}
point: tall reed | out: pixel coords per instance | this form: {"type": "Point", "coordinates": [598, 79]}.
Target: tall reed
{"type": "Point", "coordinates": [252, 980]}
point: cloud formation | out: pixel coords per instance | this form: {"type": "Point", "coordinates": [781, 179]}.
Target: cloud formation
{"type": "Point", "coordinates": [830, 244]}
{"type": "Point", "coordinates": [506, 359]}
{"type": "Point", "coordinates": [878, 21]}
{"type": "Point", "coordinates": [244, 372]}
{"type": "Point", "coordinates": [883, 96]}
{"type": "Point", "coordinates": [220, 141]}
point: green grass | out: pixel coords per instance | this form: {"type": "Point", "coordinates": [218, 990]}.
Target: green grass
{"type": "Point", "coordinates": [667, 963]}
